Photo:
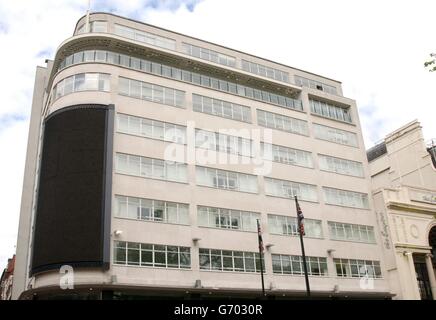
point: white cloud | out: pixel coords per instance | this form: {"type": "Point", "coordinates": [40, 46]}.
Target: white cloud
{"type": "Point", "coordinates": [376, 48]}
{"type": "Point", "coordinates": [13, 142]}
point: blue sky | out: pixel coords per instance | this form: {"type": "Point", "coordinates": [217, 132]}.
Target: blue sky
{"type": "Point", "coordinates": [376, 48]}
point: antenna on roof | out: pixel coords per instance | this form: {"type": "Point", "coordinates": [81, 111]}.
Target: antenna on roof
{"type": "Point", "coordinates": [88, 27]}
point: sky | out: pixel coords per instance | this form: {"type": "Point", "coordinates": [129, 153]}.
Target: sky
{"type": "Point", "coordinates": [375, 48]}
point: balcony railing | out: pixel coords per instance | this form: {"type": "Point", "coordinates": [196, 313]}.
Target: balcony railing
{"type": "Point", "coordinates": [377, 151]}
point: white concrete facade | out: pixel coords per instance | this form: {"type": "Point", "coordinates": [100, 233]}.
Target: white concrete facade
{"type": "Point", "coordinates": [193, 235]}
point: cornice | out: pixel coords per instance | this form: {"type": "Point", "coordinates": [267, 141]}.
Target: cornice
{"type": "Point", "coordinates": [411, 207]}
{"type": "Point", "coordinates": [110, 42]}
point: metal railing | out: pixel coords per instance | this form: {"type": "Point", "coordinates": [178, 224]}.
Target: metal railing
{"type": "Point", "coordinates": [431, 148]}
{"type": "Point", "coordinates": [377, 151]}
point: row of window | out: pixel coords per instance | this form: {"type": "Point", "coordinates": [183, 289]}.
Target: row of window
{"type": "Point", "coordinates": [164, 256]}
{"type": "Point", "coordinates": [304, 82]}
{"type": "Point", "coordinates": [329, 110]}
{"type": "Point", "coordinates": [351, 232]}
{"type": "Point", "coordinates": [342, 166]}
{"type": "Point", "coordinates": [284, 225]}
{"type": "Point", "coordinates": [149, 128]}
{"type": "Point", "coordinates": [227, 219]}
{"type": "Point", "coordinates": [352, 268]}
{"type": "Point", "coordinates": [206, 54]}
{"type": "Point", "coordinates": [151, 255]}
{"type": "Point", "coordinates": [209, 55]}
{"type": "Point", "coordinates": [151, 168]}
{"type": "Point", "coordinates": [265, 71]}
{"type": "Point", "coordinates": [346, 198]}
{"type": "Point", "coordinates": [182, 75]}
{"type": "Point", "coordinates": [82, 82]}
{"type": "Point", "coordinates": [216, 141]}
{"type": "Point", "coordinates": [280, 122]}
{"type": "Point", "coordinates": [145, 37]}
{"type": "Point", "coordinates": [151, 210]}
{"type": "Point", "coordinates": [220, 108]}
{"type": "Point", "coordinates": [230, 180]}
{"type": "Point", "coordinates": [151, 92]}
{"type": "Point", "coordinates": [222, 218]}
{"type": "Point", "coordinates": [173, 97]}
{"type": "Point", "coordinates": [290, 189]}
{"type": "Point", "coordinates": [226, 260]}
{"type": "Point", "coordinates": [285, 264]}
{"type": "Point", "coordinates": [287, 155]}
{"type": "Point", "coordinates": [335, 135]}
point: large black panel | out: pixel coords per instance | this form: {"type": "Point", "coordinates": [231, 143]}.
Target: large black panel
{"type": "Point", "coordinates": [72, 223]}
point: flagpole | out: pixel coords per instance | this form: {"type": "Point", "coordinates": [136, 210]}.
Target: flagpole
{"type": "Point", "coordinates": [261, 257]}
{"type": "Point", "coordinates": [301, 231]}
{"type": "Point", "coordinates": [88, 26]}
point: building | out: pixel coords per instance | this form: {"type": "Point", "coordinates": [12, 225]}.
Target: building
{"type": "Point", "coordinates": [144, 178]}
{"type": "Point", "coordinates": [403, 173]}
{"type": "Point", "coordinates": [7, 280]}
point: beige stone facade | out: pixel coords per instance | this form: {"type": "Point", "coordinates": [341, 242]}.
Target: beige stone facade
{"type": "Point", "coordinates": [334, 185]}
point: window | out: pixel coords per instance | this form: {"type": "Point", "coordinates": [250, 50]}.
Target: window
{"type": "Point", "coordinates": [209, 55]}
{"type": "Point", "coordinates": [342, 166]}
{"type": "Point", "coordinates": [304, 82]}
{"type": "Point", "coordinates": [228, 180]}
{"type": "Point", "coordinates": [161, 256]}
{"type": "Point", "coordinates": [221, 108]}
{"type": "Point", "coordinates": [335, 135]}
{"type": "Point", "coordinates": [287, 155]}
{"type": "Point", "coordinates": [149, 128]}
{"type": "Point", "coordinates": [145, 37]}
{"type": "Point", "coordinates": [82, 82]}
{"type": "Point", "coordinates": [151, 168]}
{"type": "Point", "coordinates": [89, 56]}
{"type": "Point", "coordinates": [151, 210]}
{"type": "Point", "coordinates": [227, 219]}
{"type": "Point", "coordinates": [222, 142]}
{"type": "Point", "coordinates": [151, 92]}
{"type": "Point", "coordinates": [81, 29]}
{"type": "Point", "coordinates": [285, 264]}
{"type": "Point", "coordinates": [226, 260]}
{"type": "Point", "coordinates": [284, 225]}
{"type": "Point", "coordinates": [265, 71]}
{"type": "Point", "coordinates": [100, 56]}
{"type": "Point", "coordinates": [289, 189]}
{"type": "Point", "coordinates": [331, 111]}
{"type": "Point", "coordinates": [357, 268]}
{"type": "Point", "coordinates": [351, 232]}
{"type": "Point", "coordinates": [78, 57]}
{"type": "Point", "coordinates": [346, 198]}
{"type": "Point", "coordinates": [99, 26]}
{"type": "Point", "coordinates": [69, 85]}
{"type": "Point", "coordinates": [280, 122]}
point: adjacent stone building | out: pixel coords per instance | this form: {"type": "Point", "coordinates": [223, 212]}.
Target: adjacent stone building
{"type": "Point", "coordinates": [403, 172]}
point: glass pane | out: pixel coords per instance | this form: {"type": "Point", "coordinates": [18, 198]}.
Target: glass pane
{"type": "Point", "coordinates": [172, 212]}
{"type": "Point", "coordinates": [159, 258]}
{"type": "Point", "coordinates": [146, 258]}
